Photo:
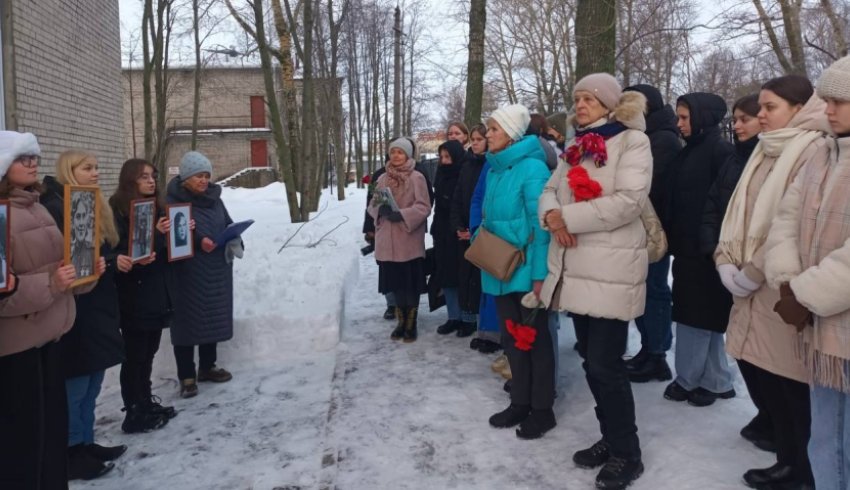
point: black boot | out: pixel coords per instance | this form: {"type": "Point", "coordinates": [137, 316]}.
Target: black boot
{"type": "Point", "coordinates": [465, 329]}
{"type": "Point", "coordinates": [105, 453]}
{"type": "Point", "coordinates": [488, 346]}
{"type": "Point", "coordinates": [400, 316]}
{"type": "Point", "coordinates": [510, 416]}
{"type": "Point", "coordinates": [592, 457]}
{"type": "Point", "coordinates": [448, 327]}
{"type": "Point", "coordinates": [675, 392]}
{"type": "Point", "coordinates": [153, 406]}
{"type": "Point", "coordinates": [774, 475]}
{"type": "Point", "coordinates": [410, 332]}
{"type": "Point", "coordinates": [760, 434]}
{"type": "Point", "coordinates": [538, 423]}
{"type": "Point", "coordinates": [138, 420]}
{"type": "Point", "coordinates": [636, 362]}
{"type": "Point", "coordinates": [389, 313]}
{"type": "Point", "coordinates": [618, 473]}
{"type": "Point", "coordinates": [84, 466]}
{"type": "Point", "coordinates": [653, 368]}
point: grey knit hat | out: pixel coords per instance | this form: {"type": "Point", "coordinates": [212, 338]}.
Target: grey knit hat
{"type": "Point", "coordinates": [193, 163]}
{"type": "Point", "coordinates": [834, 82]}
{"type": "Point", "coordinates": [603, 86]}
{"type": "Point", "coordinates": [404, 145]}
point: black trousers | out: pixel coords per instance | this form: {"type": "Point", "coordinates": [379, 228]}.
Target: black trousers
{"type": "Point", "coordinates": [185, 356]}
{"type": "Point", "coordinates": [533, 371]}
{"type": "Point", "coordinates": [787, 403]}
{"type": "Point", "coordinates": [140, 347]}
{"type": "Point", "coordinates": [33, 420]}
{"type": "Point", "coordinates": [406, 298]}
{"type": "Point", "coordinates": [761, 422]}
{"type": "Point", "coordinates": [602, 344]}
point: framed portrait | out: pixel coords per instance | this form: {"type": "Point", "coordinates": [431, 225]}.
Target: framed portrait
{"type": "Point", "coordinates": [180, 242]}
{"type": "Point", "coordinates": [82, 231]}
{"type": "Point", "coordinates": [142, 223]}
{"type": "Point", "coordinates": [5, 245]}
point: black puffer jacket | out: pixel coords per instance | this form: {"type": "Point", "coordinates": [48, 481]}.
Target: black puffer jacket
{"type": "Point", "coordinates": [446, 244]}
{"type": "Point", "coordinates": [699, 298]}
{"type": "Point", "coordinates": [203, 308]}
{"type": "Point", "coordinates": [663, 142]}
{"type": "Point", "coordinates": [721, 193]}
{"type": "Point", "coordinates": [469, 276]}
{"type": "Point", "coordinates": [94, 343]}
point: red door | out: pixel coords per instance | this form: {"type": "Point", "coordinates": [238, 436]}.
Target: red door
{"type": "Point", "coordinates": [259, 153]}
{"type": "Point", "coordinates": [258, 111]}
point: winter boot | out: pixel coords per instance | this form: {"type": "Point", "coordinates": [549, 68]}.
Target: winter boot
{"type": "Point", "coordinates": [488, 346]}
{"type": "Point", "coordinates": [774, 475]}
{"type": "Point", "coordinates": [760, 433]}
{"type": "Point", "coordinates": [592, 457]}
{"type": "Point", "coordinates": [499, 363]}
{"type": "Point", "coordinates": [137, 420]}
{"type": "Point", "coordinates": [84, 466]}
{"type": "Point", "coordinates": [702, 398]}
{"type": "Point", "coordinates": [653, 368]}
{"type": "Point", "coordinates": [508, 385]}
{"type": "Point", "coordinates": [389, 313]}
{"type": "Point", "coordinates": [510, 416]}
{"type": "Point", "coordinates": [188, 388]}
{"type": "Point", "coordinates": [618, 473]}
{"type": "Point", "coordinates": [214, 374]}
{"type": "Point", "coordinates": [675, 392]}
{"type": "Point", "coordinates": [538, 423]}
{"type": "Point", "coordinates": [153, 405]}
{"type": "Point", "coordinates": [637, 361]}
{"type": "Point", "coordinates": [410, 332]}
{"type": "Point", "coordinates": [465, 329]}
{"type": "Point", "coordinates": [401, 317]}
{"type": "Point", "coordinates": [448, 327]}
{"type": "Point", "coordinates": [105, 453]}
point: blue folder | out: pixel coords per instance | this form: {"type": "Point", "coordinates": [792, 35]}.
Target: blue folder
{"type": "Point", "coordinates": [232, 231]}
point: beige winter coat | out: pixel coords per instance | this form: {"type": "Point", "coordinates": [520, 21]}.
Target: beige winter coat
{"type": "Point", "coordinates": [605, 275]}
{"type": "Point", "coordinates": [757, 334]}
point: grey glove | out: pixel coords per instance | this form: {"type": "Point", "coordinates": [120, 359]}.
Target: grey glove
{"type": "Point", "coordinates": [233, 248]}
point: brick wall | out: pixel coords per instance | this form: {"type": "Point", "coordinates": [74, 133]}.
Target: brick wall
{"type": "Point", "coordinates": [66, 70]}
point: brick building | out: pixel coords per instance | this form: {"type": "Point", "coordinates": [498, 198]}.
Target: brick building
{"type": "Point", "coordinates": [61, 71]}
{"type": "Point", "coordinates": [233, 125]}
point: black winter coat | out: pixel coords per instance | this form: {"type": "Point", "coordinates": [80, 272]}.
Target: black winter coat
{"type": "Point", "coordinates": [447, 249]}
{"type": "Point", "coordinates": [720, 195]}
{"type": "Point", "coordinates": [145, 293]}
{"type": "Point", "coordinates": [94, 343]}
{"type": "Point", "coordinates": [699, 298]}
{"type": "Point", "coordinates": [203, 307]}
{"type": "Point", "coordinates": [469, 276]}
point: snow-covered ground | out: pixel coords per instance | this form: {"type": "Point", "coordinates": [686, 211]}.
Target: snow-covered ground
{"type": "Point", "coordinates": [322, 399]}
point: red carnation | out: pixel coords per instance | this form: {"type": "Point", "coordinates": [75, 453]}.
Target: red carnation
{"type": "Point", "coordinates": [367, 179]}
{"type": "Point", "coordinates": [523, 334]}
{"type": "Point", "coordinates": [573, 155]}
{"type": "Point", "coordinates": [584, 188]}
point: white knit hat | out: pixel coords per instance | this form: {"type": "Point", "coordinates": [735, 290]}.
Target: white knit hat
{"type": "Point", "coordinates": [13, 145]}
{"type": "Point", "coordinates": [513, 119]}
{"type": "Point", "coordinates": [834, 82]}
{"type": "Point", "coordinates": [404, 145]}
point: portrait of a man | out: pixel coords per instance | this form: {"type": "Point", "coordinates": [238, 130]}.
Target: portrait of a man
{"type": "Point", "coordinates": [82, 232]}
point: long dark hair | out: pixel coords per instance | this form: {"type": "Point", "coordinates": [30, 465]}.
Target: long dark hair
{"type": "Point", "coordinates": [795, 89]}
{"type": "Point", "coordinates": [128, 187]}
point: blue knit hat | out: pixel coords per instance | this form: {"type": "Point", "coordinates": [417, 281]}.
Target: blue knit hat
{"type": "Point", "coordinates": [194, 163]}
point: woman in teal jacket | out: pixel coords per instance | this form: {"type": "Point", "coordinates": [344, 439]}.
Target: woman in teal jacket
{"type": "Point", "coordinates": [517, 175]}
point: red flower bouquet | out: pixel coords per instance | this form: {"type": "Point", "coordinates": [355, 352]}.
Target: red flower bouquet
{"type": "Point", "coordinates": [591, 145]}
{"type": "Point", "coordinates": [366, 180]}
{"type": "Point", "coordinates": [584, 188]}
{"type": "Point", "coordinates": [523, 334]}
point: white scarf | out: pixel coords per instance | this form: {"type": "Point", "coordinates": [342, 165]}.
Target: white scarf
{"type": "Point", "coordinates": [738, 244]}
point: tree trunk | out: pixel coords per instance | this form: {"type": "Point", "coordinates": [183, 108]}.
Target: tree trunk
{"type": "Point", "coordinates": [147, 71]}
{"type": "Point", "coordinates": [794, 35]}
{"type": "Point", "coordinates": [475, 63]}
{"type": "Point", "coordinates": [196, 102]}
{"type": "Point", "coordinates": [309, 201]}
{"type": "Point", "coordinates": [289, 90]}
{"type": "Point", "coordinates": [596, 37]}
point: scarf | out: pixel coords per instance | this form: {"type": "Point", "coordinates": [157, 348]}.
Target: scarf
{"type": "Point", "coordinates": [397, 176]}
{"type": "Point", "coordinates": [738, 243]}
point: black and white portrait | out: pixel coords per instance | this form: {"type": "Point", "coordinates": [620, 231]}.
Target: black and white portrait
{"type": "Point", "coordinates": [142, 226]}
{"type": "Point", "coordinates": [4, 245]}
{"type": "Point", "coordinates": [180, 236]}
{"type": "Point", "coordinates": [82, 231]}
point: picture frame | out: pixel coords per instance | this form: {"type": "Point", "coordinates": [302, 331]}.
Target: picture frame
{"type": "Point", "coordinates": [82, 231]}
{"type": "Point", "coordinates": [181, 243]}
{"type": "Point", "coordinates": [142, 224]}
{"type": "Point", "coordinates": [5, 247]}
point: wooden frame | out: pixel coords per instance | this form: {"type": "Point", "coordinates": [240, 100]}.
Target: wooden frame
{"type": "Point", "coordinates": [142, 225]}
{"type": "Point", "coordinates": [82, 231]}
{"type": "Point", "coordinates": [180, 248]}
{"type": "Point", "coordinates": [5, 246]}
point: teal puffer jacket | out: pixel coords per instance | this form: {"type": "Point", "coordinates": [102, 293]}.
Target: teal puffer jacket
{"type": "Point", "coordinates": [514, 184]}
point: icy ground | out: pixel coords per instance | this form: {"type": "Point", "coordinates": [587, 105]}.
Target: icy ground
{"type": "Point", "coordinates": [306, 412]}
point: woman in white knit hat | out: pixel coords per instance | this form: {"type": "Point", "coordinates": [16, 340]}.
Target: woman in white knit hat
{"type": "Point", "coordinates": [598, 258]}
{"type": "Point", "coordinates": [808, 259]}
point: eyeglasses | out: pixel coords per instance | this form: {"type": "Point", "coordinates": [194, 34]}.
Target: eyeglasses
{"type": "Point", "coordinates": [28, 161]}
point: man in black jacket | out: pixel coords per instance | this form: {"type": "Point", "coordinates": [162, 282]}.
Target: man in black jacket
{"type": "Point", "coordinates": [655, 326]}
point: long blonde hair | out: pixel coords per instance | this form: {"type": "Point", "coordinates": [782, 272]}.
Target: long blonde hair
{"type": "Point", "coordinates": [65, 165]}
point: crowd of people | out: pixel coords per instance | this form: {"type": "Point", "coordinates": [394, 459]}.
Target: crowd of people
{"type": "Point", "coordinates": [598, 204]}
{"type": "Point", "coordinates": [58, 335]}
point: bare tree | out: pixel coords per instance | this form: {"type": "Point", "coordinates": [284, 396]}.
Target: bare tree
{"type": "Point", "coordinates": [475, 64]}
{"type": "Point", "coordinates": [595, 36]}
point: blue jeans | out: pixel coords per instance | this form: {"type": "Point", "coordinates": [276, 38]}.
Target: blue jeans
{"type": "Point", "coordinates": [701, 360]}
{"type": "Point", "coordinates": [82, 393]}
{"type": "Point", "coordinates": [390, 297]}
{"type": "Point", "coordinates": [829, 445]}
{"type": "Point", "coordinates": [656, 325]}
{"type": "Point", "coordinates": [453, 307]}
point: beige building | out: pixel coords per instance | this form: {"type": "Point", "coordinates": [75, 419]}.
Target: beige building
{"type": "Point", "coordinates": [233, 125]}
{"type": "Point", "coordinates": [61, 71]}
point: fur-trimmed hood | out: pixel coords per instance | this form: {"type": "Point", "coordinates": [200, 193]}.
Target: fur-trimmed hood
{"type": "Point", "coordinates": [629, 111]}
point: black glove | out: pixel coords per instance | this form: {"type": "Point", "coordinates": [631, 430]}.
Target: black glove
{"type": "Point", "coordinates": [386, 212]}
{"type": "Point", "coordinates": [395, 217]}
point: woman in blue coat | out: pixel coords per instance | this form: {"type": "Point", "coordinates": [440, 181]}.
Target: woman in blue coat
{"type": "Point", "coordinates": [514, 183]}
{"type": "Point", "coordinates": [203, 314]}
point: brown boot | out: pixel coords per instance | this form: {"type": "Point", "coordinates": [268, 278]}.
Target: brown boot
{"type": "Point", "coordinates": [398, 332]}
{"type": "Point", "coordinates": [188, 388]}
{"type": "Point", "coordinates": [410, 325]}
{"type": "Point", "coordinates": [214, 374]}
